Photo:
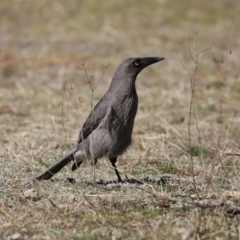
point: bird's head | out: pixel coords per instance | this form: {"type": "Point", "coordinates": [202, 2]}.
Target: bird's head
{"type": "Point", "coordinates": [126, 74]}
{"type": "Point", "coordinates": [133, 66]}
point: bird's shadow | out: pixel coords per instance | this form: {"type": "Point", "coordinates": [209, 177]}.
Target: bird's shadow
{"type": "Point", "coordinates": [145, 180]}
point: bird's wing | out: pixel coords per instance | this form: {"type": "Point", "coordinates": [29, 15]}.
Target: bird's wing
{"type": "Point", "coordinates": [94, 118]}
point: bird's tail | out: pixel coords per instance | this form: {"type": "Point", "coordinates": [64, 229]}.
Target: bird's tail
{"type": "Point", "coordinates": [68, 157]}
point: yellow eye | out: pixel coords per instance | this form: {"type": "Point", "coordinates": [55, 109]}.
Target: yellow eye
{"type": "Point", "coordinates": [137, 63]}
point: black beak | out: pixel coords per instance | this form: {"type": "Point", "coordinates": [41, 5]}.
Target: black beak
{"type": "Point", "coordinates": [151, 60]}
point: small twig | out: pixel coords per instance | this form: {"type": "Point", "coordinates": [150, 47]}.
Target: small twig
{"type": "Point", "coordinates": [90, 83]}
{"type": "Point", "coordinates": [64, 96]}
{"type": "Point", "coordinates": [193, 80]}
{"type": "Point", "coordinates": [90, 204]}
{"type": "Point", "coordinates": [224, 147]}
{"type": "Point", "coordinates": [192, 84]}
{"type": "Point", "coordinates": [198, 204]}
{"type": "Point", "coordinates": [103, 72]}
{"type": "Point", "coordinates": [182, 64]}
{"type": "Point", "coordinates": [231, 154]}
{"type": "Point", "coordinates": [55, 206]}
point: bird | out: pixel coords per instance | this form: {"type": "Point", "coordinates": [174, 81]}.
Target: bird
{"type": "Point", "coordinates": [108, 129]}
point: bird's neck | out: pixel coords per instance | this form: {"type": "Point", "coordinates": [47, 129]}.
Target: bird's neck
{"type": "Point", "coordinates": [123, 86]}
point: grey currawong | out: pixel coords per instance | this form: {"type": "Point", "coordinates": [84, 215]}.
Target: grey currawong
{"type": "Point", "coordinates": [108, 128]}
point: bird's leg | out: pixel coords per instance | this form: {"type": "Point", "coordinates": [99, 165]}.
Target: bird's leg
{"type": "Point", "coordinates": [93, 164]}
{"type": "Point", "coordinates": [75, 164]}
{"type": "Point", "coordinates": [113, 162]}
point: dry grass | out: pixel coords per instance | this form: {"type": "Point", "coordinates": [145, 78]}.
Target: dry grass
{"type": "Point", "coordinates": [45, 98]}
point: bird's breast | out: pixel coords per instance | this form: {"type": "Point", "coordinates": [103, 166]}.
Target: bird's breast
{"type": "Point", "coordinates": [123, 116]}
{"type": "Point", "coordinates": [125, 112]}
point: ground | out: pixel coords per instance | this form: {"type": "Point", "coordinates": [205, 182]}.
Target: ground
{"type": "Point", "coordinates": [185, 154]}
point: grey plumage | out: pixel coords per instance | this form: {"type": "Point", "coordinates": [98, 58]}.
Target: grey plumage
{"type": "Point", "coordinates": [108, 128]}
